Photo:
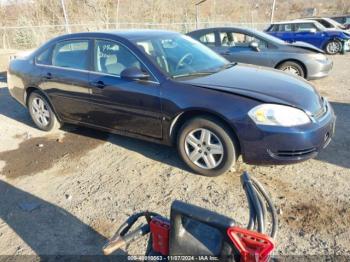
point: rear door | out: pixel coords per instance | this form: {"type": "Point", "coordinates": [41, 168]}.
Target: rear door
{"type": "Point", "coordinates": [64, 77]}
{"type": "Point", "coordinates": [121, 104]}
{"type": "Point", "coordinates": [285, 32]}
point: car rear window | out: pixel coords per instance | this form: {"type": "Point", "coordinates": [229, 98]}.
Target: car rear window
{"type": "Point", "coordinates": [71, 54]}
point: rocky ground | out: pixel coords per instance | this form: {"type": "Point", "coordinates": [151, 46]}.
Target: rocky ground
{"type": "Point", "coordinates": [67, 192]}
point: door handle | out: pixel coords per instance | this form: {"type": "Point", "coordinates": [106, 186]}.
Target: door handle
{"type": "Point", "coordinates": [98, 84]}
{"type": "Point", "coordinates": [48, 76]}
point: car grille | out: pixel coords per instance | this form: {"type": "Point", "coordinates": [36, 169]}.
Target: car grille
{"type": "Point", "coordinates": [295, 153]}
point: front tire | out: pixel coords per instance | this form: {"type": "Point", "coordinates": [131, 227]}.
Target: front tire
{"type": "Point", "coordinates": [41, 112]}
{"type": "Point", "coordinates": [292, 68]}
{"type": "Point", "coordinates": [333, 47]}
{"type": "Point", "coordinates": [206, 146]}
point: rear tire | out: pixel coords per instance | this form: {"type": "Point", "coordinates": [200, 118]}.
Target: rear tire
{"type": "Point", "coordinates": [42, 113]}
{"type": "Point", "coordinates": [206, 146]}
{"type": "Point", "coordinates": [333, 47]}
{"type": "Point", "coordinates": [292, 68]}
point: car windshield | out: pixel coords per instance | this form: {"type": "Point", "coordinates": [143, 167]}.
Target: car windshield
{"type": "Point", "coordinates": [335, 23]}
{"type": "Point", "coordinates": [320, 26]}
{"type": "Point", "coordinates": [268, 37]}
{"type": "Point", "coordinates": [181, 56]}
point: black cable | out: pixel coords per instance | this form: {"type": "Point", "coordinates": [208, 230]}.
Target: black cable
{"type": "Point", "coordinates": [251, 222]}
{"type": "Point", "coordinates": [125, 227]}
{"type": "Point", "coordinates": [272, 208]}
{"type": "Point", "coordinates": [263, 207]}
{"type": "Point", "coordinates": [252, 197]}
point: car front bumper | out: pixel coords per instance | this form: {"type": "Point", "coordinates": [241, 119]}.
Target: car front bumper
{"type": "Point", "coordinates": [319, 68]}
{"type": "Point", "coordinates": [346, 46]}
{"type": "Point", "coordinates": [267, 145]}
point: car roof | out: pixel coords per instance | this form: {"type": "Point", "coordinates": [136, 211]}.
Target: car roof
{"type": "Point", "coordinates": [297, 21]}
{"type": "Point", "coordinates": [315, 17]}
{"type": "Point", "coordinates": [130, 34]}
{"type": "Point", "coordinates": [237, 28]}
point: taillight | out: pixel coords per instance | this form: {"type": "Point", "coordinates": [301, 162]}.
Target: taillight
{"type": "Point", "coordinates": [252, 246]}
{"type": "Point", "coordinates": [160, 228]}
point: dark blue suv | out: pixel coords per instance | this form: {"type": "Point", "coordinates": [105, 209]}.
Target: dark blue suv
{"type": "Point", "coordinates": [312, 32]}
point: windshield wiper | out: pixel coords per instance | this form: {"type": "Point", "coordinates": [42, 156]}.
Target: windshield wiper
{"type": "Point", "coordinates": [229, 65]}
{"type": "Point", "coordinates": [226, 66]}
{"type": "Point", "coordinates": [195, 74]}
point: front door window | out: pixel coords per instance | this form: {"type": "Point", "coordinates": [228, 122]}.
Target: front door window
{"type": "Point", "coordinates": [112, 58]}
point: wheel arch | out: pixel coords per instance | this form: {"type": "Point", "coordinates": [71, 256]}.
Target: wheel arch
{"type": "Point", "coordinates": [294, 61]}
{"type": "Point", "coordinates": [332, 38]}
{"type": "Point", "coordinates": [182, 117]}
{"type": "Point", "coordinates": [30, 90]}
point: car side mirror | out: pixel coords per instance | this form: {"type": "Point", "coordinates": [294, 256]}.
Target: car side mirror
{"type": "Point", "coordinates": [255, 46]}
{"type": "Point", "coordinates": [134, 73]}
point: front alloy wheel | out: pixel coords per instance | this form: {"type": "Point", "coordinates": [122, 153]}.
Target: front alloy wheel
{"type": "Point", "coordinates": [333, 47]}
{"type": "Point", "coordinates": [206, 146]}
{"type": "Point", "coordinates": [292, 68]}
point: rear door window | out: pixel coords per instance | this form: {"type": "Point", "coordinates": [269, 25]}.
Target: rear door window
{"type": "Point", "coordinates": [71, 54]}
{"type": "Point", "coordinates": [208, 39]}
{"type": "Point", "coordinates": [284, 28]}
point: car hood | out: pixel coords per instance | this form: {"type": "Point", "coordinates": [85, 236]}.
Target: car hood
{"type": "Point", "coordinates": [306, 46]}
{"type": "Point", "coordinates": [266, 85]}
{"type": "Point", "coordinates": [333, 31]}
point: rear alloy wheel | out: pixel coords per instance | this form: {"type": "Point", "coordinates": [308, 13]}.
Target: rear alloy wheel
{"type": "Point", "coordinates": [41, 112]}
{"type": "Point", "coordinates": [206, 146]}
{"type": "Point", "coordinates": [333, 47]}
{"type": "Point", "coordinates": [292, 68]}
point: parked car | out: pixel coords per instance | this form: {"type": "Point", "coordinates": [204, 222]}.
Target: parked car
{"type": "Point", "coordinates": [329, 23]}
{"type": "Point", "coordinates": [258, 48]}
{"type": "Point", "coordinates": [168, 88]}
{"type": "Point", "coordinates": [343, 19]}
{"type": "Point", "coordinates": [312, 32]}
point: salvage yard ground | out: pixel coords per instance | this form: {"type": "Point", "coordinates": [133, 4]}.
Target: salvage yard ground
{"type": "Point", "coordinates": [67, 192]}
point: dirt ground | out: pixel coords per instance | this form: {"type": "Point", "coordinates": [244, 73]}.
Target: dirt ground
{"type": "Point", "coordinates": [65, 193]}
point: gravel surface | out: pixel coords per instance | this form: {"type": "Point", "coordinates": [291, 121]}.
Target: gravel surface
{"type": "Point", "coordinates": [67, 192]}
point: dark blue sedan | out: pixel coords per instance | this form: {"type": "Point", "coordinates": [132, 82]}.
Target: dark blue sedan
{"type": "Point", "coordinates": [168, 88]}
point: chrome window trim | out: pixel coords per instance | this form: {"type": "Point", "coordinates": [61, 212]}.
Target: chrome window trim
{"type": "Point", "coordinates": [65, 68]}
{"type": "Point", "coordinates": [96, 72]}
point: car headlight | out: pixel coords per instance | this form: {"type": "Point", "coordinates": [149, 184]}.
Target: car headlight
{"type": "Point", "coordinates": [278, 115]}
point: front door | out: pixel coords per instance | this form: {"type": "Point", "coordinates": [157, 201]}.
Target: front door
{"type": "Point", "coordinates": [307, 32]}
{"type": "Point", "coordinates": [122, 104]}
{"type": "Point", "coordinates": [235, 47]}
